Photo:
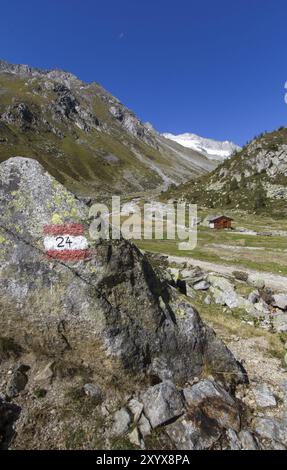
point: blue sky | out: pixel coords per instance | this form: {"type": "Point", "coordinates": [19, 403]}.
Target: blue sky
{"type": "Point", "coordinates": [213, 67]}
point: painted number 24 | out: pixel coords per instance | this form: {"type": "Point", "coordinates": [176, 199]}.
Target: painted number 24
{"type": "Point", "coordinates": [61, 242]}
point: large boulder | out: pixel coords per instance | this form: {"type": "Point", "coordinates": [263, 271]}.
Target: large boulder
{"type": "Point", "coordinates": [109, 311]}
{"type": "Point", "coordinates": [162, 403]}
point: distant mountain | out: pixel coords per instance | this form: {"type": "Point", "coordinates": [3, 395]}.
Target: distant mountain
{"type": "Point", "coordinates": [255, 179]}
{"type": "Point", "coordinates": [85, 137]}
{"type": "Point", "coordinates": [213, 149]}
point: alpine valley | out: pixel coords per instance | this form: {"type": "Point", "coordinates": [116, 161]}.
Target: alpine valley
{"type": "Point", "coordinates": [135, 344]}
{"type": "Point", "coordinates": [85, 137]}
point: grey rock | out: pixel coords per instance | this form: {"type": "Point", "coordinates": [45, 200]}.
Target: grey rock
{"type": "Point", "coordinates": [174, 272]}
{"type": "Point", "coordinates": [272, 429]}
{"type": "Point", "coordinates": [215, 402]}
{"type": "Point", "coordinates": [264, 396]}
{"type": "Point", "coordinates": [137, 319]}
{"type": "Point", "coordinates": [223, 298]}
{"type": "Point", "coordinates": [262, 307]}
{"type": "Point", "coordinates": [279, 321]}
{"type": "Point", "coordinates": [223, 291]}
{"type": "Point", "coordinates": [162, 403]}
{"type": "Point", "coordinates": [202, 285]}
{"type": "Point", "coordinates": [196, 279]}
{"type": "Point", "coordinates": [254, 297]}
{"type": "Point", "coordinates": [244, 440]}
{"type": "Point", "coordinates": [233, 440]}
{"type": "Point", "coordinates": [131, 124]}
{"type": "Point", "coordinates": [192, 276]}
{"type": "Point", "coordinates": [248, 441]}
{"type": "Point", "coordinates": [280, 301]}
{"type": "Point", "coordinates": [196, 433]}
{"type": "Point", "coordinates": [284, 387]}
{"type": "Point", "coordinates": [144, 426]}
{"type": "Point", "coordinates": [93, 391]}
{"type": "Point", "coordinates": [122, 421]}
{"type": "Point", "coordinates": [134, 437]}
{"type": "Point", "coordinates": [159, 369]}
{"type": "Point", "coordinates": [46, 374]}
{"type": "Point", "coordinates": [136, 409]}
{"type": "Point", "coordinates": [186, 274]}
{"type": "Point", "coordinates": [190, 291]}
{"type": "Point", "coordinates": [256, 281]}
{"type": "Point", "coordinates": [207, 300]}
{"type": "Point", "coordinates": [205, 389]}
{"type": "Point", "coordinates": [17, 382]}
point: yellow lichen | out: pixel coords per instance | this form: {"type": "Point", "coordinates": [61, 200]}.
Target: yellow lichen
{"type": "Point", "coordinates": [56, 219]}
{"type": "Point", "coordinates": [180, 312]}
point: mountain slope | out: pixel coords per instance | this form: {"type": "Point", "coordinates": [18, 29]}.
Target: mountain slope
{"type": "Point", "coordinates": [84, 136]}
{"type": "Point", "coordinates": [255, 179]}
{"type": "Point", "coordinates": [213, 149]}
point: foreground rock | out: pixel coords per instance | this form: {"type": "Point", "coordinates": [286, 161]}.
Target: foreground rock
{"type": "Point", "coordinates": [107, 319]}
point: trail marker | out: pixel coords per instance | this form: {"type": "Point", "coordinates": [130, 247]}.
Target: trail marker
{"type": "Point", "coordinates": [66, 242]}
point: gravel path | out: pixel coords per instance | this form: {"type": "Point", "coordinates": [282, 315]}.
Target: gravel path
{"type": "Point", "coordinates": [275, 281]}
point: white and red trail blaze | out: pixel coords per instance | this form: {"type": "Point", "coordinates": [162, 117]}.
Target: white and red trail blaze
{"type": "Point", "coordinates": [66, 242]}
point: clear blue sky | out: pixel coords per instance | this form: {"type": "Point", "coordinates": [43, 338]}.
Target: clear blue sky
{"type": "Point", "coordinates": [213, 67]}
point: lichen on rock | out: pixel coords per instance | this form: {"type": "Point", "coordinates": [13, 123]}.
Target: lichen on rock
{"type": "Point", "coordinates": [110, 312]}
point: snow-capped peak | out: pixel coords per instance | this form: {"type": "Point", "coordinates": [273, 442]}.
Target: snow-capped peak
{"type": "Point", "coordinates": [213, 149]}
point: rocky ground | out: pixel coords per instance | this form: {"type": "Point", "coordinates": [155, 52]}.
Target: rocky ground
{"type": "Point", "coordinates": [251, 319]}
{"type": "Point", "coordinates": [274, 281]}
{"type": "Point", "coordinates": [111, 352]}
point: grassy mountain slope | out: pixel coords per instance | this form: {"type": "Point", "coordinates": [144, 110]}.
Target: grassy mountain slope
{"type": "Point", "coordinates": [255, 179]}
{"type": "Point", "coordinates": [84, 136]}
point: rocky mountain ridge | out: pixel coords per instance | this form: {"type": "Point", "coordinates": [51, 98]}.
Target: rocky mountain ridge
{"type": "Point", "coordinates": [254, 179]}
{"type": "Point", "coordinates": [84, 136]}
